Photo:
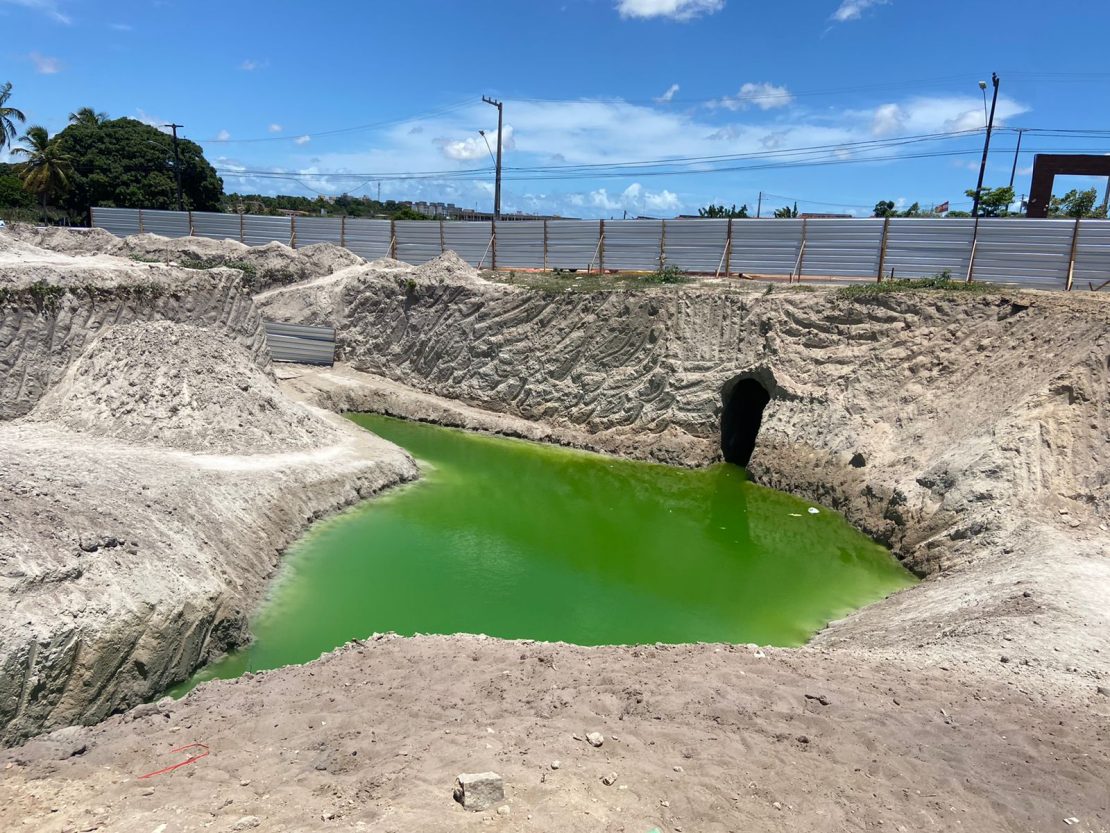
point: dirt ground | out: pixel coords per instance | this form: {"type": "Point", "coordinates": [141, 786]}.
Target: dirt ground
{"type": "Point", "coordinates": [699, 738]}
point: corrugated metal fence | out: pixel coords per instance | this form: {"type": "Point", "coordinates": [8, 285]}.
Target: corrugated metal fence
{"type": "Point", "coordinates": [1045, 254]}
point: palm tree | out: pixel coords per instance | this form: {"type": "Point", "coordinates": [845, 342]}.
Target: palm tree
{"type": "Point", "coordinates": [88, 117]}
{"type": "Point", "coordinates": [47, 168]}
{"type": "Point", "coordinates": [8, 117]}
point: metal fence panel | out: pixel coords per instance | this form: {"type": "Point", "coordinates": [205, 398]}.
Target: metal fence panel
{"type": "Point", "coordinates": [632, 244]}
{"type": "Point", "coordinates": [572, 244]}
{"type": "Point", "coordinates": [920, 247]}
{"type": "Point", "coordinates": [765, 247]}
{"type": "Point", "coordinates": [1032, 253]}
{"type": "Point", "coordinates": [258, 231]}
{"type": "Point", "coordinates": [520, 244]}
{"type": "Point", "coordinates": [300, 343]}
{"type": "Point", "coordinates": [367, 238]}
{"type": "Point", "coordinates": [469, 240]}
{"type": "Point", "coordinates": [842, 248]}
{"type": "Point", "coordinates": [119, 221]}
{"type": "Point", "coordinates": [417, 241]}
{"type": "Point", "coordinates": [166, 223]}
{"type": "Point", "coordinates": [696, 245]}
{"type": "Point", "coordinates": [317, 230]}
{"type": "Point", "coordinates": [216, 226]}
{"type": "Point", "coordinates": [1092, 253]}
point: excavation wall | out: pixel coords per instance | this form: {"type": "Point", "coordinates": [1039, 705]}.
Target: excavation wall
{"type": "Point", "coordinates": [42, 329]}
{"type": "Point", "coordinates": [868, 410]}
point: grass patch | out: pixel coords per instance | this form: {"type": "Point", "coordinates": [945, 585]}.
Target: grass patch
{"type": "Point", "coordinates": [567, 280]}
{"type": "Point", "coordinates": [942, 282]}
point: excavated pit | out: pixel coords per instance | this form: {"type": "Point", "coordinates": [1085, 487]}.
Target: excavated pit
{"type": "Point", "coordinates": [1002, 506]}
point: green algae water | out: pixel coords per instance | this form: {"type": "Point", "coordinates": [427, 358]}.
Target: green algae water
{"type": "Point", "coordinates": [522, 540]}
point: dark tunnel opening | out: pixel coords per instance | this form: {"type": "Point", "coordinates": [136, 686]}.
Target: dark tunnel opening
{"type": "Point", "coordinates": [741, 419]}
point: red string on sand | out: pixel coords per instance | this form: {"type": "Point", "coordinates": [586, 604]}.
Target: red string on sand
{"type": "Point", "coordinates": [182, 763]}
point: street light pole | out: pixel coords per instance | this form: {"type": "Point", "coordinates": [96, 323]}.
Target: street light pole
{"type": "Point", "coordinates": [177, 164]}
{"type": "Point", "coordinates": [986, 144]}
{"type": "Point", "coordinates": [497, 176]}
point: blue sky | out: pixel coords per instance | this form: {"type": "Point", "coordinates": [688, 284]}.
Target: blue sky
{"type": "Point", "coordinates": [344, 97]}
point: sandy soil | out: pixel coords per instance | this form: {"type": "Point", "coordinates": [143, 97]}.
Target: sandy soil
{"type": "Point", "coordinates": [700, 738]}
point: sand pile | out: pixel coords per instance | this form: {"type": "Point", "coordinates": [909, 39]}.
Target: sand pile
{"type": "Point", "coordinates": [179, 386]}
{"type": "Point", "coordinates": [445, 269]}
{"type": "Point", "coordinates": [273, 264]}
{"type": "Point", "coordinates": [70, 241]}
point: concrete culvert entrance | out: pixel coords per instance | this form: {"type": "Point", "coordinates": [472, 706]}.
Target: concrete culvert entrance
{"type": "Point", "coordinates": [744, 401]}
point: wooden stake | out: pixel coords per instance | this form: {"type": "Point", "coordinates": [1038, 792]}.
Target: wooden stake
{"type": "Point", "coordinates": [545, 245]}
{"type": "Point", "coordinates": [974, 246]}
{"type": "Point", "coordinates": [242, 237]}
{"type": "Point", "coordinates": [393, 239]}
{"type": "Point", "coordinates": [882, 248]}
{"type": "Point", "coordinates": [801, 254]}
{"type": "Point", "coordinates": [728, 249]}
{"type": "Point", "coordinates": [442, 239]}
{"type": "Point", "coordinates": [1071, 256]}
{"type": "Point", "coordinates": [343, 231]}
{"type": "Point", "coordinates": [292, 232]}
{"type": "Point", "coordinates": [601, 248]}
{"type": "Point", "coordinates": [662, 244]}
{"type": "Point", "coordinates": [493, 243]}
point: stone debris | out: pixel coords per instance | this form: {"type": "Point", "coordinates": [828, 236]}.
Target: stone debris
{"type": "Point", "coordinates": [555, 764]}
{"type": "Point", "coordinates": [595, 738]}
{"type": "Point", "coordinates": [246, 823]}
{"type": "Point", "coordinates": [479, 790]}
{"type": "Point", "coordinates": [504, 810]}
{"type": "Point", "coordinates": [820, 698]}
{"type": "Point", "coordinates": [610, 779]}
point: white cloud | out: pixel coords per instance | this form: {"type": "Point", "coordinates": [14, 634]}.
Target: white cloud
{"type": "Point", "coordinates": [250, 65]}
{"type": "Point", "coordinates": [889, 119]}
{"type": "Point", "coordinates": [275, 128]}
{"type": "Point", "coordinates": [634, 199]}
{"type": "Point", "coordinates": [673, 9]}
{"type": "Point", "coordinates": [223, 136]}
{"type": "Point", "coordinates": [45, 65]}
{"type": "Point", "coordinates": [302, 140]}
{"type": "Point", "coordinates": [152, 121]}
{"type": "Point", "coordinates": [46, 7]}
{"type": "Point", "coordinates": [668, 95]}
{"type": "Point", "coordinates": [764, 95]}
{"type": "Point", "coordinates": [854, 9]}
{"type": "Point", "coordinates": [474, 147]}
{"type": "Point", "coordinates": [121, 27]}
{"type": "Point", "coordinates": [935, 114]}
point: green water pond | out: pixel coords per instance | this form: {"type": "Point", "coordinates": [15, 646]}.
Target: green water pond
{"type": "Point", "coordinates": [522, 540]}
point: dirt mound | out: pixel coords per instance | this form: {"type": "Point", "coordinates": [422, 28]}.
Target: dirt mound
{"type": "Point", "coordinates": [71, 241]}
{"type": "Point", "coordinates": [448, 268]}
{"type": "Point", "coordinates": [175, 249]}
{"type": "Point", "coordinates": [273, 264]}
{"type": "Point", "coordinates": [180, 386]}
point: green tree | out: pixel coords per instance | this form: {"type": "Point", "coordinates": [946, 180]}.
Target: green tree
{"type": "Point", "coordinates": [124, 163]}
{"type": "Point", "coordinates": [884, 208]}
{"type": "Point", "coordinates": [47, 169]}
{"type": "Point", "coordinates": [717, 211]}
{"type": "Point", "coordinates": [12, 192]}
{"type": "Point", "coordinates": [913, 211]}
{"type": "Point", "coordinates": [8, 117]}
{"type": "Point", "coordinates": [88, 117]}
{"type": "Point", "coordinates": [994, 202]}
{"type": "Point", "coordinates": [787, 211]}
{"type": "Point", "coordinates": [1076, 203]}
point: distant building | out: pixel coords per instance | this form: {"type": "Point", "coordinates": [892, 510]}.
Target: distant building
{"type": "Point", "coordinates": [806, 215]}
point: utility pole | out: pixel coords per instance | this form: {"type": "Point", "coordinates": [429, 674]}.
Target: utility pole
{"type": "Point", "coordinates": [759, 206]}
{"type": "Point", "coordinates": [497, 176]}
{"type": "Point", "coordinates": [177, 164]}
{"type": "Point", "coordinates": [1017, 150]}
{"type": "Point", "coordinates": [986, 145]}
